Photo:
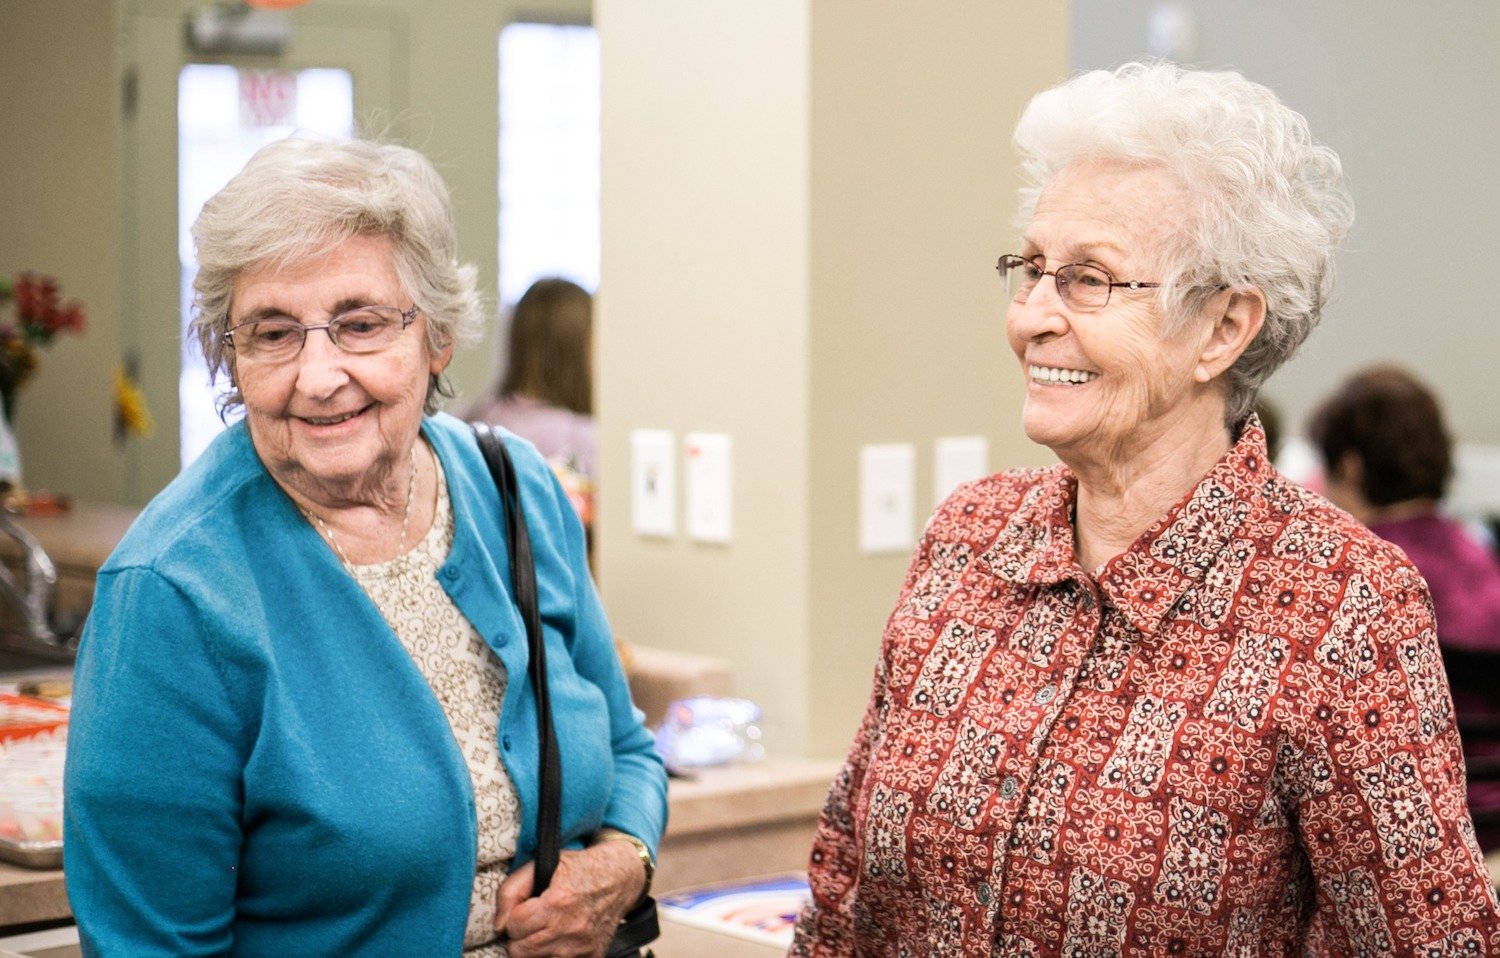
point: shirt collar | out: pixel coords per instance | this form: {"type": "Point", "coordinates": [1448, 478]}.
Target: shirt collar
{"type": "Point", "coordinates": [1035, 547]}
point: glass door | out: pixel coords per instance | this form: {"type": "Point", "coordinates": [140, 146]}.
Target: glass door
{"type": "Point", "coordinates": [224, 114]}
{"type": "Point", "coordinates": [192, 120]}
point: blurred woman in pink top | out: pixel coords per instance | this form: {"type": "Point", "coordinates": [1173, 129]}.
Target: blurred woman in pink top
{"type": "Point", "coordinates": [1388, 459]}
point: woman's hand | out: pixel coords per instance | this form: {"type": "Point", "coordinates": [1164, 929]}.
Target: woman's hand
{"type": "Point", "coordinates": [577, 915]}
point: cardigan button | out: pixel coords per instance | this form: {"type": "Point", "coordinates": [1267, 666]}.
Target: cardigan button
{"type": "Point", "coordinates": [1045, 693]}
{"type": "Point", "coordinates": [1008, 786]}
{"type": "Point", "coordinates": [505, 741]}
{"type": "Point", "coordinates": [984, 893]}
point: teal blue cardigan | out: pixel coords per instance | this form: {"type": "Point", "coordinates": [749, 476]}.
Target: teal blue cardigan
{"type": "Point", "coordinates": [255, 765]}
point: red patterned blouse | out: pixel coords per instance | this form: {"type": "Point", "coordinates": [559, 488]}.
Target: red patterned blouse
{"type": "Point", "coordinates": [1236, 741]}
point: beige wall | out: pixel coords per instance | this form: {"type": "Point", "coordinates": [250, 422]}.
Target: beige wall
{"type": "Point", "coordinates": [702, 322]}
{"type": "Point", "coordinates": [60, 215]}
{"type": "Point", "coordinates": [802, 207]}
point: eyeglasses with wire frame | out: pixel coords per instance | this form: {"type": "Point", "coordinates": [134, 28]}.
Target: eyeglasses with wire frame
{"type": "Point", "coordinates": [277, 339]}
{"type": "Point", "coordinates": [1082, 286]}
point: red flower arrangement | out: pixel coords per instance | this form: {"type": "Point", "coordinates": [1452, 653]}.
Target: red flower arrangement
{"type": "Point", "coordinates": [39, 317]}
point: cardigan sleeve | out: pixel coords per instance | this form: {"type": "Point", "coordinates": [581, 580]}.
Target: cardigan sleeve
{"type": "Point", "coordinates": [152, 784]}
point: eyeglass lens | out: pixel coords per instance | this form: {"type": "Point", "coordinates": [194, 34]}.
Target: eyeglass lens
{"type": "Point", "coordinates": [362, 330]}
{"type": "Point", "coordinates": [1079, 285]}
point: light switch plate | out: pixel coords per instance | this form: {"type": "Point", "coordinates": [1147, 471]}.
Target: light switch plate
{"type": "Point", "coordinates": [653, 482]}
{"type": "Point", "coordinates": [887, 497]}
{"type": "Point", "coordinates": [957, 460]}
{"type": "Point", "coordinates": [709, 474]}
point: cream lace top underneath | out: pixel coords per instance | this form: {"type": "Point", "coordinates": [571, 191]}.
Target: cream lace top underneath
{"type": "Point", "coordinates": [469, 682]}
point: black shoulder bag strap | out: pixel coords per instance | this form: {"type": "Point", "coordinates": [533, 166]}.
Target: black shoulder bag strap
{"type": "Point", "coordinates": [523, 581]}
{"type": "Point", "coordinates": [639, 927]}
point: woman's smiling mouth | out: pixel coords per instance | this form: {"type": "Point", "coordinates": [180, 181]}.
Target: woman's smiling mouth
{"type": "Point", "coordinates": [1054, 374]}
{"type": "Point", "coordinates": [332, 420]}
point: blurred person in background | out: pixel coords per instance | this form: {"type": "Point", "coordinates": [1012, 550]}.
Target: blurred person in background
{"type": "Point", "coordinates": [1387, 460]}
{"type": "Point", "coordinates": [547, 393]}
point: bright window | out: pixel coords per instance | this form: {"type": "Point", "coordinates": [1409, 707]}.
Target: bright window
{"type": "Point", "coordinates": [549, 156]}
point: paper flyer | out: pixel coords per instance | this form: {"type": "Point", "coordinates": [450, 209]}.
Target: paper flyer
{"type": "Point", "coordinates": [758, 909]}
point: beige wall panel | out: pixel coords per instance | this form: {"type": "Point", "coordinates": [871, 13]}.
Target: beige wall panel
{"type": "Point", "coordinates": [913, 191]}
{"type": "Point", "coordinates": [702, 325]}
{"type": "Point", "coordinates": [60, 215]}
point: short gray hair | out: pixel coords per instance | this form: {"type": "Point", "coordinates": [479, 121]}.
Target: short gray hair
{"type": "Point", "coordinates": [1271, 204]}
{"type": "Point", "coordinates": [299, 198]}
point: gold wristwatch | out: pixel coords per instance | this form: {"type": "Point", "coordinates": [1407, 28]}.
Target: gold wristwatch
{"type": "Point", "coordinates": [641, 851]}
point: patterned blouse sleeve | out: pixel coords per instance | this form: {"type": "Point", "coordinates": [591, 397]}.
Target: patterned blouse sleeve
{"type": "Point", "coordinates": [825, 928]}
{"type": "Point", "coordinates": [1377, 783]}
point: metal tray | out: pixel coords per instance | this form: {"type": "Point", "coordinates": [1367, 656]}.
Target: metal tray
{"type": "Point", "coordinates": [32, 854]}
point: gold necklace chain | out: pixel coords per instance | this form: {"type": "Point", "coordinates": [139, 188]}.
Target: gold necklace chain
{"type": "Point", "coordinates": [411, 488]}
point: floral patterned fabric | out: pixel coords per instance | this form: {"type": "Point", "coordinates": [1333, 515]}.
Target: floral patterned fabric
{"type": "Point", "coordinates": [1237, 740]}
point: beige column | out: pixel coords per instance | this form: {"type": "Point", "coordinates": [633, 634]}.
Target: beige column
{"type": "Point", "coordinates": [802, 206]}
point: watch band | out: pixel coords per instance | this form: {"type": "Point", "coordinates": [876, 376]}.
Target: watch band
{"type": "Point", "coordinates": [648, 864]}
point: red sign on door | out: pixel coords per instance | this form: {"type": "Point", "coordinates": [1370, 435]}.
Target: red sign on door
{"type": "Point", "coordinates": [268, 98]}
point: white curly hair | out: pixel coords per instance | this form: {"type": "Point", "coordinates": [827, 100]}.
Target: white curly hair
{"type": "Point", "coordinates": [1271, 206]}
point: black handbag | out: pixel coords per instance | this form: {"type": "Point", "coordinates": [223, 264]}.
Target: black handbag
{"type": "Point", "coordinates": [639, 927]}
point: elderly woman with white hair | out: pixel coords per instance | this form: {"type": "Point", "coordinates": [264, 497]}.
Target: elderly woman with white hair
{"type": "Point", "coordinates": [1156, 700]}
{"type": "Point", "coordinates": [302, 720]}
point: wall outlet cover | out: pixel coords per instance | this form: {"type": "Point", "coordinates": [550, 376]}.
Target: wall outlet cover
{"type": "Point", "coordinates": [887, 498]}
{"type": "Point", "coordinates": [653, 482]}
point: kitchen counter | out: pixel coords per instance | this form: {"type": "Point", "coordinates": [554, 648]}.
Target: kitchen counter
{"type": "Point", "coordinates": [732, 822]}
{"type": "Point", "coordinates": [30, 895]}
{"type": "Point", "coordinates": [78, 542]}
{"type": "Point", "coordinates": [740, 821]}
{"type": "Point", "coordinates": [81, 538]}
